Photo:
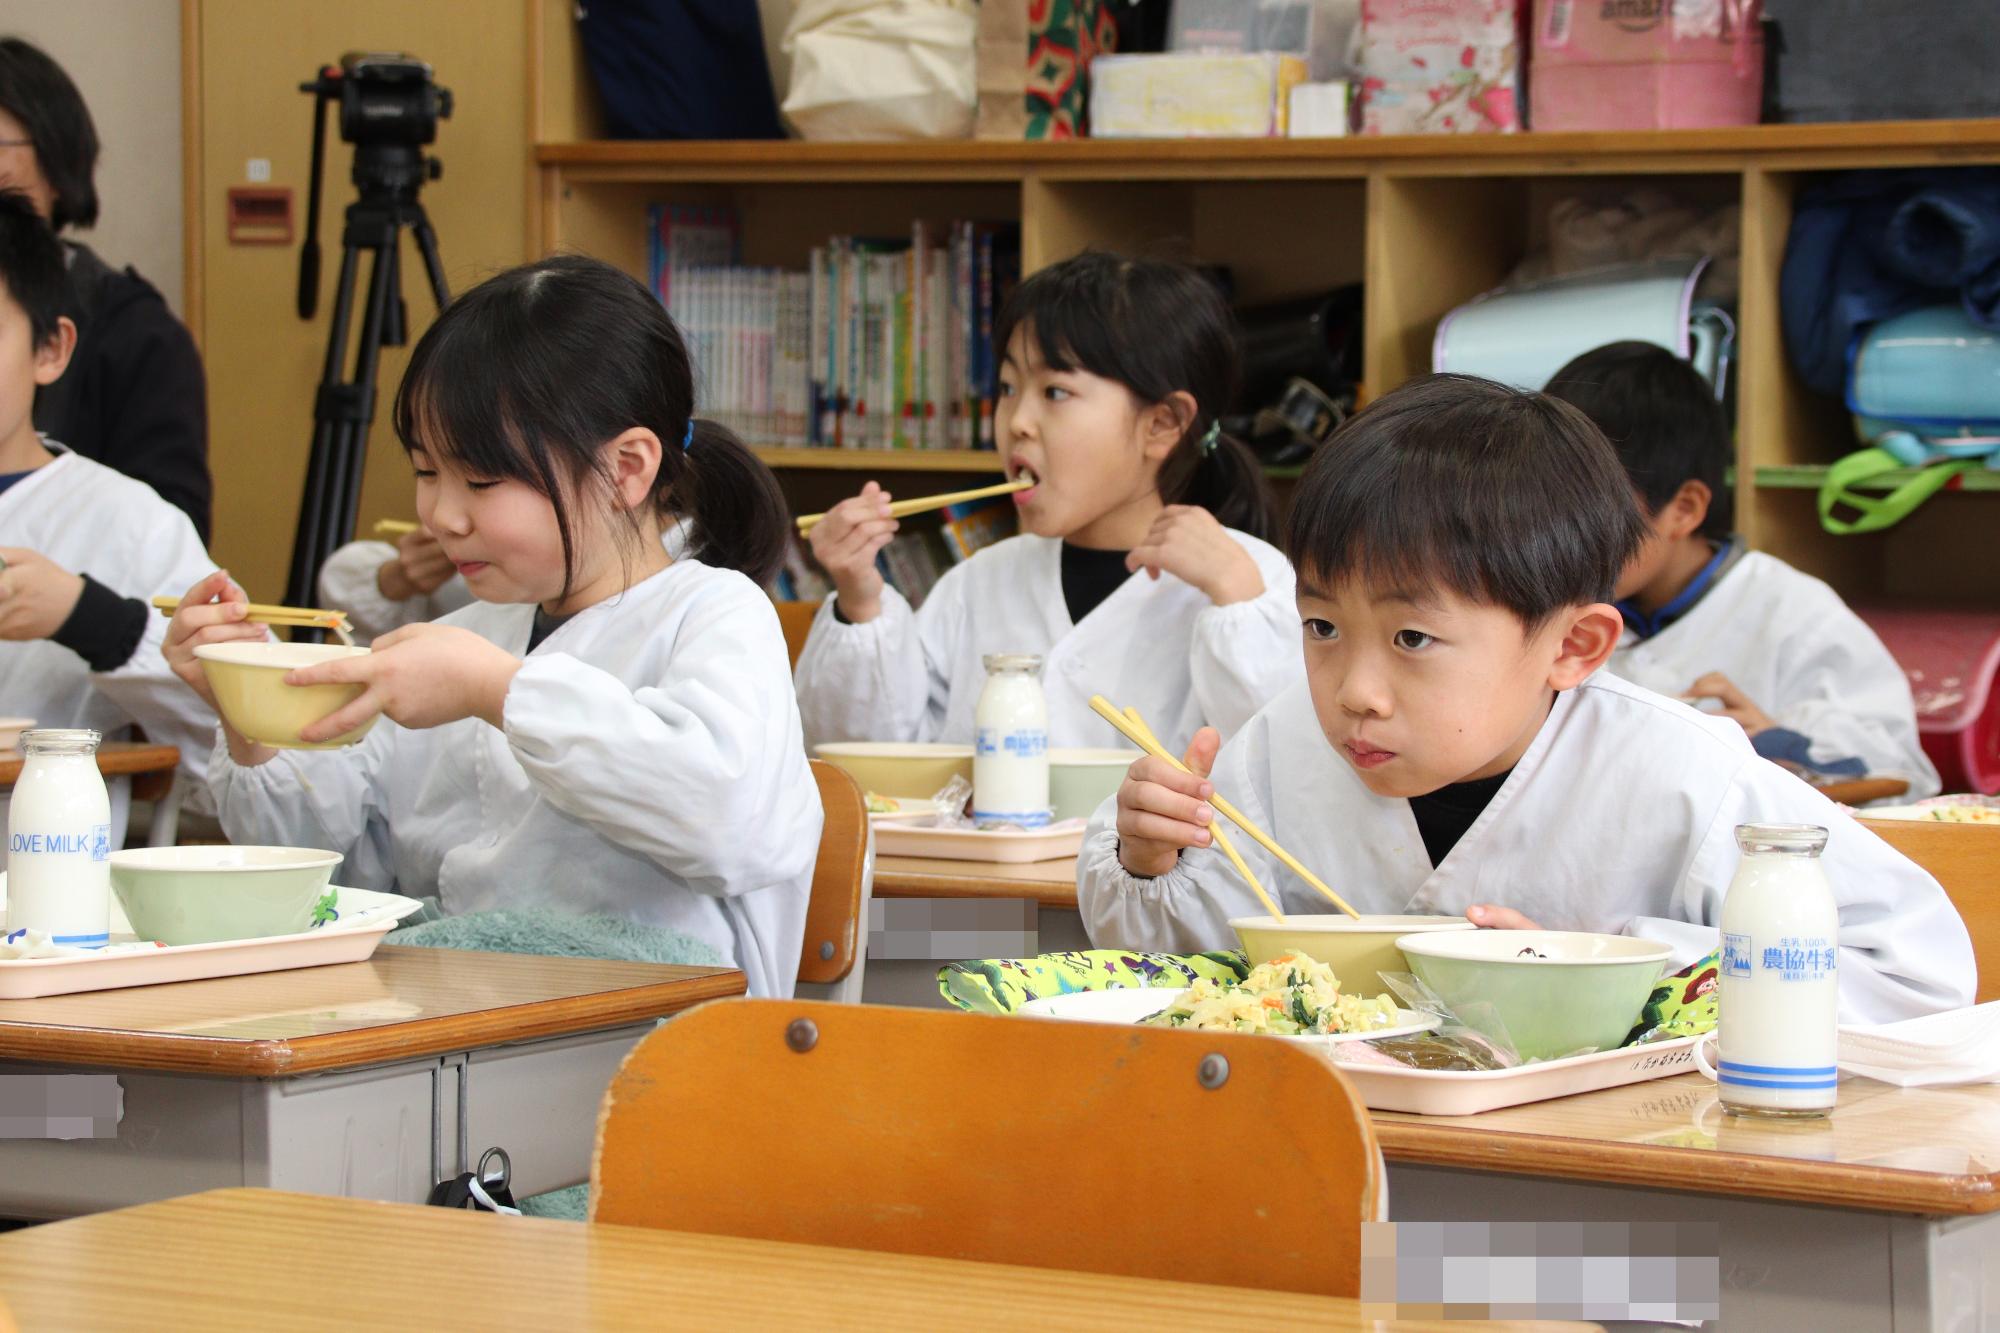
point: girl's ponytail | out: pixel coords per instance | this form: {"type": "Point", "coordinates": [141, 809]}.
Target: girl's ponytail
{"type": "Point", "coordinates": [1219, 473]}
{"type": "Point", "coordinates": [733, 503]}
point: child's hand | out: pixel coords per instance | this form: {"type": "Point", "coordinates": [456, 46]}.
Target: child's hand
{"type": "Point", "coordinates": [420, 676]}
{"type": "Point", "coordinates": [1187, 542]}
{"type": "Point", "coordinates": [1161, 809]}
{"type": "Point", "coordinates": [212, 612]}
{"type": "Point", "coordinates": [845, 543]}
{"type": "Point", "coordinates": [36, 595]}
{"type": "Point", "coordinates": [1736, 705]}
{"type": "Point", "coordinates": [419, 569]}
{"type": "Point", "coordinates": [1491, 916]}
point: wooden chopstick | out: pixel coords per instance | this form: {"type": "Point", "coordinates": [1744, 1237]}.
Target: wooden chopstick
{"type": "Point", "coordinates": [394, 527]}
{"type": "Point", "coordinates": [904, 508]}
{"type": "Point", "coordinates": [1215, 831]}
{"type": "Point", "coordinates": [1103, 708]}
{"type": "Point", "coordinates": [299, 616]}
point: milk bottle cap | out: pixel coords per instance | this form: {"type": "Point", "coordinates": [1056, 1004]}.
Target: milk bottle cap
{"type": "Point", "coordinates": [1783, 839]}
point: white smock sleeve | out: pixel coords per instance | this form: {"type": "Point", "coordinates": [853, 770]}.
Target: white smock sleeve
{"type": "Point", "coordinates": [1244, 654]}
{"type": "Point", "coordinates": [703, 772]}
{"type": "Point", "coordinates": [330, 799]}
{"type": "Point", "coordinates": [1846, 696]}
{"type": "Point", "coordinates": [348, 582]}
{"type": "Point", "coordinates": [1903, 949]}
{"type": "Point", "coordinates": [883, 680]}
{"type": "Point", "coordinates": [1188, 909]}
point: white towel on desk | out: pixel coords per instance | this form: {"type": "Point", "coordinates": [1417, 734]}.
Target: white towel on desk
{"type": "Point", "coordinates": [1958, 1046]}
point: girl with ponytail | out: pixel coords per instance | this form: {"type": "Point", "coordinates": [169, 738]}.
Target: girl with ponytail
{"type": "Point", "coordinates": [1142, 571]}
{"type": "Point", "coordinates": [610, 727]}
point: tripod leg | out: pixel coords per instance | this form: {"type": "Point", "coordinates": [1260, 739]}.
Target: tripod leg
{"type": "Point", "coordinates": [344, 502]}
{"type": "Point", "coordinates": [427, 246]}
{"type": "Point", "coordinates": [322, 461]}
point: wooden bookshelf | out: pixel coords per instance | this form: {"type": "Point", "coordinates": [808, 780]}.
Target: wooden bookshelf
{"type": "Point", "coordinates": [1429, 223]}
{"type": "Point", "coordinates": [880, 460]}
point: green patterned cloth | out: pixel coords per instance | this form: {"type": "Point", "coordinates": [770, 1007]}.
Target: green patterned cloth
{"type": "Point", "coordinates": [1003, 985]}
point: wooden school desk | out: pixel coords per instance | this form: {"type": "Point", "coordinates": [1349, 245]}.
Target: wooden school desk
{"type": "Point", "coordinates": [1884, 1216]}
{"type": "Point", "coordinates": [364, 1079]}
{"type": "Point", "coordinates": [254, 1259]}
{"type": "Point", "coordinates": [1037, 899]}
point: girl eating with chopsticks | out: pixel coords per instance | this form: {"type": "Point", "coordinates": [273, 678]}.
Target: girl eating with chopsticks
{"type": "Point", "coordinates": [608, 729]}
{"type": "Point", "coordinates": [1141, 570]}
{"type": "Point", "coordinates": [1455, 748]}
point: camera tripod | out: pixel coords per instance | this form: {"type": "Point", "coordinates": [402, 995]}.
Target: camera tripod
{"type": "Point", "coordinates": [388, 176]}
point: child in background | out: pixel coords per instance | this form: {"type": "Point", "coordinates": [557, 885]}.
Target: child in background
{"type": "Point", "coordinates": [83, 549]}
{"type": "Point", "coordinates": [1455, 749]}
{"type": "Point", "coordinates": [383, 587]}
{"type": "Point", "coordinates": [1705, 618]}
{"type": "Point", "coordinates": [1114, 371]}
{"type": "Point", "coordinates": [607, 729]}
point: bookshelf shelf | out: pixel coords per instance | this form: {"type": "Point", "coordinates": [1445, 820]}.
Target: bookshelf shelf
{"type": "Point", "coordinates": [1814, 476]}
{"type": "Point", "coordinates": [1426, 223]}
{"type": "Point", "coordinates": [881, 460]}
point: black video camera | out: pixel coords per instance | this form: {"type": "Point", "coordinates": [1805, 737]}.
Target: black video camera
{"type": "Point", "coordinates": [384, 98]}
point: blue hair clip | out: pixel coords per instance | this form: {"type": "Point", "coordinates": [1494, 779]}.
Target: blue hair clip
{"type": "Point", "coordinates": [687, 440]}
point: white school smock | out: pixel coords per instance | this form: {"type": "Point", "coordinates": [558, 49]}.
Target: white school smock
{"type": "Point", "coordinates": [1789, 642]}
{"type": "Point", "coordinates": [93, 520]}
{"type": "Point", "coordinates": [1159, 646]}
{"type": "Point", "coordinates": [651, 768]}
{"type": "Point", "coordinates": [347, 583]}
{"type": "Point", "coordinates": [1621, 818]}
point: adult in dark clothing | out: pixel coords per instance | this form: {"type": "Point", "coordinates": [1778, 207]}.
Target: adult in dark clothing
{"type": "Point", "coordinates": [134, 397]}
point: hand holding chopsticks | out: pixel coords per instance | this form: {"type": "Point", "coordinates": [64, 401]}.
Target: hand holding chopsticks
{"type": "Point", "coordinates": [904, 508]}
{"type": "Point", "coordinates": [1146, 742]}
{"type": "Point", "coordinates": [298, 616]}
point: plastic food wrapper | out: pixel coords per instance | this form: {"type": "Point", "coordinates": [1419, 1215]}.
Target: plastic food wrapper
{"type": "Point", "coordinates": [954, 801]}
{"type": "Point", "coordinates": [1682, 1005]}
{"type": "Point", "coordinates": [1471, 1037]}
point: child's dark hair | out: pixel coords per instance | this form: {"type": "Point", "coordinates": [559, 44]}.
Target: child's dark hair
{"type": "Point", "coordinates": [1157, 328]}
{"type": "Point", "coordinates": [527, 374]}
{"type": "Point", "coordinates": [1662, 418]}
{"type": "Point", "coordinates": [31, 264]}
{"type": "Point", "coordinates": [35, 91]}
{"type": "Point", "coordinates": [1508, 498]}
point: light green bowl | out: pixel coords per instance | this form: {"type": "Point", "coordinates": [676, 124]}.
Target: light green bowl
{"type": "Point", "coordinates": [1555, 992]}
{"type": "Point", "coordinates": [200, 895]}
{"type": "Point", "coordinates": [1081, 780]}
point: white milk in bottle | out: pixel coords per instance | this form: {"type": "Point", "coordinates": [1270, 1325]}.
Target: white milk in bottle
{"type": "Point", "coordinates": [1010, 752]}
{"type": "Point", "coordinates": [59, 841]}
{"type": "Point", "coordinates": [1778, 1004]}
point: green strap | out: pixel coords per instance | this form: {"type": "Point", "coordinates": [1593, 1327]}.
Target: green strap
{"type": "Point", "coordinates": [1876, 512]}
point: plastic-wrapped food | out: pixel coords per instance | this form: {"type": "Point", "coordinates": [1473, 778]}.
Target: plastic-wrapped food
{"type": "Point", "coordinates": [1461, 1048]}
{"type": "Point", "coordinates": [1683, 1005]}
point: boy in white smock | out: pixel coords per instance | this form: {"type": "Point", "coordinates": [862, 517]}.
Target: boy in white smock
{"type": "Point", "coordinates": [1455, 749]}
{"type": "Point", "coordinates": [82, 548]}
{"type": "Point", "coordinates": [1705, 618]}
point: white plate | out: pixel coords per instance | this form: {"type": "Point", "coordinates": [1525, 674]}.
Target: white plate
{"type": "Point", "coordinates": [911, 809]}
{"type": "Point", "coordinates": [1009, 846]}
{"type": "Point", "coordinates": [1470, 1091]}
{"type": "Point", "coordinates": [1131, 1004]}
{"type": "Point", "coordinates": [363, 918]}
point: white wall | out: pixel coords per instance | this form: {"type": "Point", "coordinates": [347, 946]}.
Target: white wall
{"type": "Point", "coordinates": [125, 55]}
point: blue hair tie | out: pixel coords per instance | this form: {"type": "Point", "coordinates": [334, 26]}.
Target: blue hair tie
{"type": "Point", "coordinates": [687, 440]}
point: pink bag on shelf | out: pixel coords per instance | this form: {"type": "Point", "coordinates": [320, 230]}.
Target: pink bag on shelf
{"type": "Point", "coordinates": [1669, 64]}
{"type": "Point", "coordinates": [1953, 661]}
{"type": "Point", "coordinates": [1440, 66]}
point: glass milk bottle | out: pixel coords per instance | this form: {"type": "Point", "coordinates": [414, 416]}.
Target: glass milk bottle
{"type": "Point", "coordinates": [59, 841]}
{"type": "Point", "coordinates": [1010, 752]}
{"type": "Point", "coordinates": [1778, 1006]}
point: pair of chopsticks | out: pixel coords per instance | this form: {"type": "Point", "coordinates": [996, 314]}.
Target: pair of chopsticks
{"type": "Point", "coordinates": [1134, 729]}
{"type": "Point", "coordinates": [904, 508]}
{"type": "Point", "coordinates": [394, 527]}
{"type": "Point", "coordinates": [300, 616]}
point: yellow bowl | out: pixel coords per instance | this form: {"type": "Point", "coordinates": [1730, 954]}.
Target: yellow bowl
{"type": "Point", "coordinates": [249, 684]}
{"type": "Point", "coordinates": [907, 770]}
{"type": "Point", "coordinates": [1357, 951]}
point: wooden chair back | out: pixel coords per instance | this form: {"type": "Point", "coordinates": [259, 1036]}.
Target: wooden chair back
{"type": "Point", "coordinates": [1107, 1149]}
{"type": "Point", "coordinates": [1965, 859]}
{"type": "Point", "coordinates": [796, 619]}
{"type": "Point", "coordinates": [834, 913]}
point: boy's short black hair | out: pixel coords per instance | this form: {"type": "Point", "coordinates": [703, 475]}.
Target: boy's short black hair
{"type": "Point", "coordinates": [1662, 418]}
{"type": "Point", "coordinates": [31, 264]}
{"type": "Point", "coordinates": [35, 91]}
{"type": "Point", "coordinates": [1452, 482]}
